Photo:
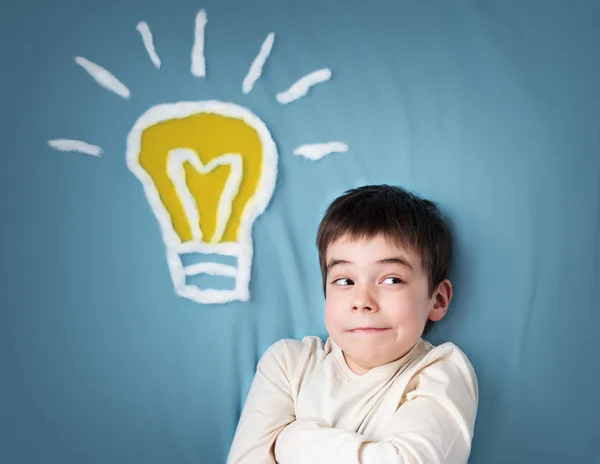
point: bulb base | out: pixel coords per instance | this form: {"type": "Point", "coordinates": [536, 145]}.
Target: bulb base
{"type": "Point", "coordinates": [209, 256]}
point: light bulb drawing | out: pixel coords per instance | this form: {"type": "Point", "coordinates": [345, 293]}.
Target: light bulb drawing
{"type": "Point", "coordinates": [208, 169]}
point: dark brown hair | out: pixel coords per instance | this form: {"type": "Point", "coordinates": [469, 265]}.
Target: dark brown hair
{"type": "Point", "coordinates": [398, 215]}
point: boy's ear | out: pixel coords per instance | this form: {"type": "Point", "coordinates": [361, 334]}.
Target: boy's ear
{"type": "Point", "coordinates": [440, 300]}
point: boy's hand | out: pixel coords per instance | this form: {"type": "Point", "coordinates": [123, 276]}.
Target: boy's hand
{"type": "Point", "coordinates": [303, 434]}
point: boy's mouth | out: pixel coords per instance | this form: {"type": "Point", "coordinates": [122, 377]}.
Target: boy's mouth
{"type": "Point", "coordinates": [368, 329]}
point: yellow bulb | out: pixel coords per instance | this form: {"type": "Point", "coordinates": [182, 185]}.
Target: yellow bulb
{"type": "Point", "coordinates": [208, 170]}
{"type": "Point", "coordinates": [209, 136]}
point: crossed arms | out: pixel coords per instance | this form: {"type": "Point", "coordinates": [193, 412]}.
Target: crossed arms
{"type": "Point", "coordinates": [433, 425]}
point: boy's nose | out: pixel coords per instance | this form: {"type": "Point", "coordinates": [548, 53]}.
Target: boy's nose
{"type": "Point", "coordinates": [364, 300]}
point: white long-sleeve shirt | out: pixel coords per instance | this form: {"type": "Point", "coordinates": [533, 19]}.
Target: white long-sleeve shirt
{"type": "Point", "coordinates": [306, 406]}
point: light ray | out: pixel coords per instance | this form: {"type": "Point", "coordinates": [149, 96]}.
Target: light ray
{"type": "Point", "coordinates": [258, 63]}
{"type": "Point", "coordinates": [301, 87]}
{"type": "Point", "coordinates": [319, 150]}
{"type": "Point", "coordinates": [104, 77]}
{"type": "Point", "coordinates": [148, 40]}
{"type": "Point", "coordinates": [76, 146]}
{"type": "Point", "coordinates": [198, 60]}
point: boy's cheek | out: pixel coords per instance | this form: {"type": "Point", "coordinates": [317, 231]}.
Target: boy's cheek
{"type": "Point", "coordinates": [334, 306]}
{"type": "Point", "coordinates": [331, 318]}
{"type": "Point", "coordinates": [336, 295]}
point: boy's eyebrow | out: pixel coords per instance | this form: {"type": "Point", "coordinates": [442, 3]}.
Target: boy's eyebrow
{"type": "Point", "coordinates": [396, 260]}
{"type": "Point", "coordinates": [336, 262]}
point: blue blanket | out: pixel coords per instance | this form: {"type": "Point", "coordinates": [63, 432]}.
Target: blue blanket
{"type": "Point", "coordinates": [489, 108]}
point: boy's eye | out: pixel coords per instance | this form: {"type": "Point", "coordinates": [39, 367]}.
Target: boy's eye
{"type": "Point", "coordinates": [343, 281]}
{"type": "Point", "coordinates": [392, 280]}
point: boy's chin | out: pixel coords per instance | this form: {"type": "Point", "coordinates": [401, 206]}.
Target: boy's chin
{"type": "Point", "coordinates": [369, 356]}
{"type": "Point", "coordinates": [367, 361]}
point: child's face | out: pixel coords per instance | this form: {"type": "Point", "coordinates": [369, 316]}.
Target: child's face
{"type": "Point", "coordinates": [377, 300]}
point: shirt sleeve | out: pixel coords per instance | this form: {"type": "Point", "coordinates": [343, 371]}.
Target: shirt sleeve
{"type": "Point", "coordinates": [433, 425]}
{"type": "Point", "coordinates": [269, 406]}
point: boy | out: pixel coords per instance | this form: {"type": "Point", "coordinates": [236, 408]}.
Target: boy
{"type": "Point", "coordinates": [375, 392]}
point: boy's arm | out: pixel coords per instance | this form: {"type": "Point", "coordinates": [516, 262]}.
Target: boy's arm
{"type": "Point", "coordinates": [269, 406]}
{"type": "Point", "coordinates": [434, 425]}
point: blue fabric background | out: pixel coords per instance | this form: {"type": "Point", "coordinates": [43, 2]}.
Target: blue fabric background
{"type": "Point", "coordinates": [488, 107]}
